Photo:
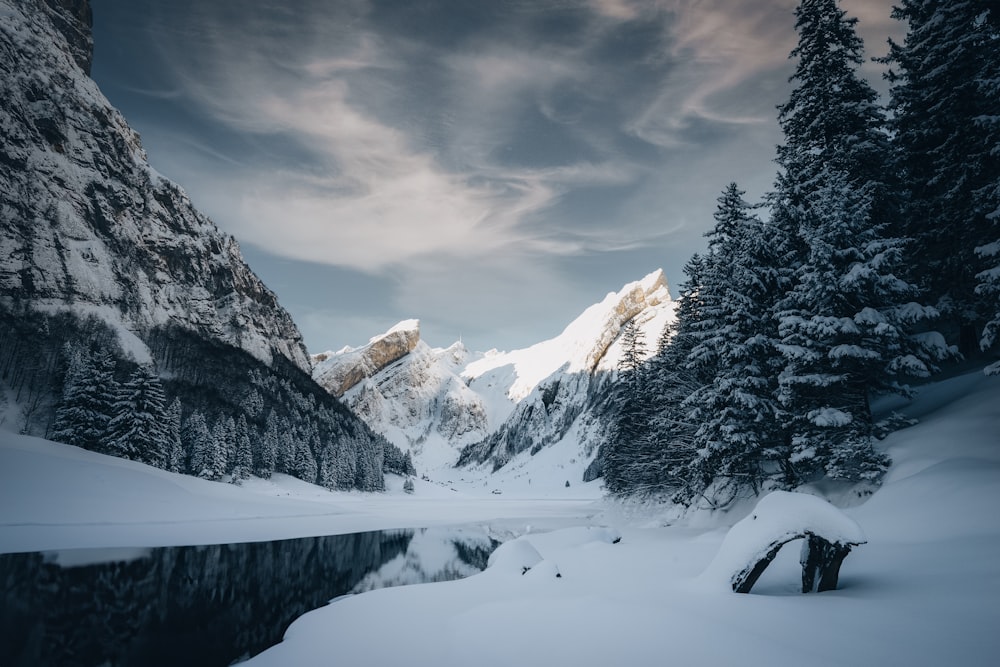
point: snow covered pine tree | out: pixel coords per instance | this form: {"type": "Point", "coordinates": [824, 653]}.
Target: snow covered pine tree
{"type": "Point", "coordinates": [138, 430]}
{"type": "Point", "coordinates": [843, 325]}
{"type": "Point", "coordinates": [737, 410]}
{"type": "Point", "coordinates": [945, 88]}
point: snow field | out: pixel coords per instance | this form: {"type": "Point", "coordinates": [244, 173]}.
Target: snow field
{"type": "Point", "coordinates": [922, 591]}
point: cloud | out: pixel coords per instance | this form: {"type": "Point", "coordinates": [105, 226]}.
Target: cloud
{"type": "Point", "coordinates": [462, 149]}
{"type": "Point", "coordinates": [721, 49]}
{"type": "Point", "coordinates": [728, 54]}
{"type": "Point", "coordinates": [365, 189]}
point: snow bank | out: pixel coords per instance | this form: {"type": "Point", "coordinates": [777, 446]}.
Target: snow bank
{"type": "Point", "coordinates": [923, 592]}
{"type": "Point", "coordinates": [778, 518]}
{"type": "Point", "coordinates": [516, 556]}
{"type": "Point", "coordinates": [54, 496]}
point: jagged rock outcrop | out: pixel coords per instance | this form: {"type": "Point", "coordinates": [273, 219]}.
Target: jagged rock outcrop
{"type": "Point", "coordinates": [74, 19]}
{"type": "Point", "coordinates": [339, 371]}
{"type": "Point", "coordinates": [409, 392]}
{"type": "Point", "coordinates": [86, 225]}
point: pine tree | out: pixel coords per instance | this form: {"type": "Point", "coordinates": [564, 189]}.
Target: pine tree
{"type": "Point", "coordinates": [287, 446]}
{"type": "Point", "coordinates": [138, 430]}
{"type": "Point", "coordinates": [88, 397]}
{"type": "Point", "coordinates": [989, 288]}
{"type": "Point", "coordinates": [305, 467]}
{"type": "Point", "coordinates": [736, 335]}
{"type": "Point", "coordinates": [625, 442]}
{"type": "Point", "coordinates": [653, 456]}
{"type": "Point", "coordinates": [68, 426]}
{"type": "Point", "coordinates": [946, 82]}
{"type": "Point", "coordinates": [843, 322]}
{"type": "Point", "coordinates": [988, 279]}
{"type": "Point", "coordinates": [220, 442]}
{"type": "Point", "coordinates": [844, 329]}
{"type": "Point", "coordinates": [243, 457]}
{"type": "Point", "coordinates": [832, 121]}
{"type": "Point", "coordinates": [326, 475]}
{"type": "Point", "coordinates": [345, 463]}
{"type": "Point", "coordinates": [175, 448]}
{"type": "Point", "coordinates": [368, 472]}
{"type": "Point", "coordinates": [265, 448]}
{"type": "Point", "coordinates": [197, 440]}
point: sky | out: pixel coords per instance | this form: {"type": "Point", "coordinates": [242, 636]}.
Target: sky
{"type": "Point", "coordinates": [491, 168]}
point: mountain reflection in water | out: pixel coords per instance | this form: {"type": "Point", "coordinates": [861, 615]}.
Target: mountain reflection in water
{"type": "Point", "coordinates": [205, 605]}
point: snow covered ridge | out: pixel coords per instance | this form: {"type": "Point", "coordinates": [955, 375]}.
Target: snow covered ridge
{"type": "Point", "coordinates": [585, 345]}
{"type": "Point", "coordinates": [339, 371]}
{"type": "Point", "coordinates": [88, 227]}
{"type": "Point", "coordinates": [437, 401]}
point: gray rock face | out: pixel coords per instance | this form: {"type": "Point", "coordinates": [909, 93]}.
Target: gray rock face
{"type": "Point", "coordinates": [86, 225]}
{"type": "Point", "coordinates": [74, 19]}
{"type": "Point", "coordinates": [337, 373]}
{"type": "Point", "coordinates": [408, 392]}
{"type": "Point", "coordinates": [545, 417]}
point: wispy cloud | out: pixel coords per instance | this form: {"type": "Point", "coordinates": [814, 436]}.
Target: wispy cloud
{"type": "Point", "coordinates": [720, 48]}
{"type": "Point", "coordinates": [461, 148]}
{"type": "Point", "coordinates": [369, 193]}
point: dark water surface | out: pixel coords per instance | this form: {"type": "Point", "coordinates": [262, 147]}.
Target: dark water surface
{"type": "Point", "coordinates": [205, 605]}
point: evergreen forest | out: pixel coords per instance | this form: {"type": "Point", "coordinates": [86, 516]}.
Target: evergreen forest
{"type": "Point", "coordinates": [873, 262]}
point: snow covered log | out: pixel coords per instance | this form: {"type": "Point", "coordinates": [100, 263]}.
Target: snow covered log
{"type": "Point", "coordinates": [779, 518]}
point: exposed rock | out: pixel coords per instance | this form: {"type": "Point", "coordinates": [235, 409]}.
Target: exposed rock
{"type": "Point", "coordinates": [87, 226]}
{"type": "Point", "coordinates": [421, 404]}
{"type": "Point", "coordinates": [98, 250]}
{"type": "Point", "coordinates": [338, 372]}
{"type": "Point", "coordinates": [74, 19]}
{"type": "Point", "coordinates": [551, 399]}
{"type": "Point", "coordinates": [630, 303]}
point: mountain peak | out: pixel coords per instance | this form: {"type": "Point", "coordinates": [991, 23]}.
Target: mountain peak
{"type": "Point", "coordinates": [584, 344]}
{"type": "Point", "coordinates": [339, 371]}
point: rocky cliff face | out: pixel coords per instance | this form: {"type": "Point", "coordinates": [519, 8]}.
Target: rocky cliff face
{"type": "Point", "coordinates": [550, 402]}
{"type": "Point", "coordinates": [100, 255]}
{"type": "Point", "coordinates": [87, 226]}
{"type": "Point", "coordinates": [409, 392]}
{"type": "Point", "coordinates": [339, 371]}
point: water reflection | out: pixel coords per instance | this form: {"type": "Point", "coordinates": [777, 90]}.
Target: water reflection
{"type": "Point", "coordinates": [204, 605]}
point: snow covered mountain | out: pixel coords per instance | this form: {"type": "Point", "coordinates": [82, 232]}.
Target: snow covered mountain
{"type": "Point", "coordinates": [411, 393]}
{"type": "Point", "coordinates": [88, 227]}
{"type": "Point", "coordinates": [104, 258]}
{"type": "Point", "coordinates": [488, 410]}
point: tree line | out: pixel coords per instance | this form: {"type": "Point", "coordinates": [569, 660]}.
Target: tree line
{"type": "Point", "coordinates": [199, 407]}
{"type": "Point", "coordinates": [879, 260]}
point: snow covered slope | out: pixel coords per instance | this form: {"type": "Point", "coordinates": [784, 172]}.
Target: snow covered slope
{"type": "Point", "coordinates": [437, 401]}
{"type": "Point", "coordinates": [922, 592]}
{"type": "Point", "coordinates": [586, 345]}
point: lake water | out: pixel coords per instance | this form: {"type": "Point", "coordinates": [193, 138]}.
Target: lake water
{"type": "Point", "coordinates": [206, 605]}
